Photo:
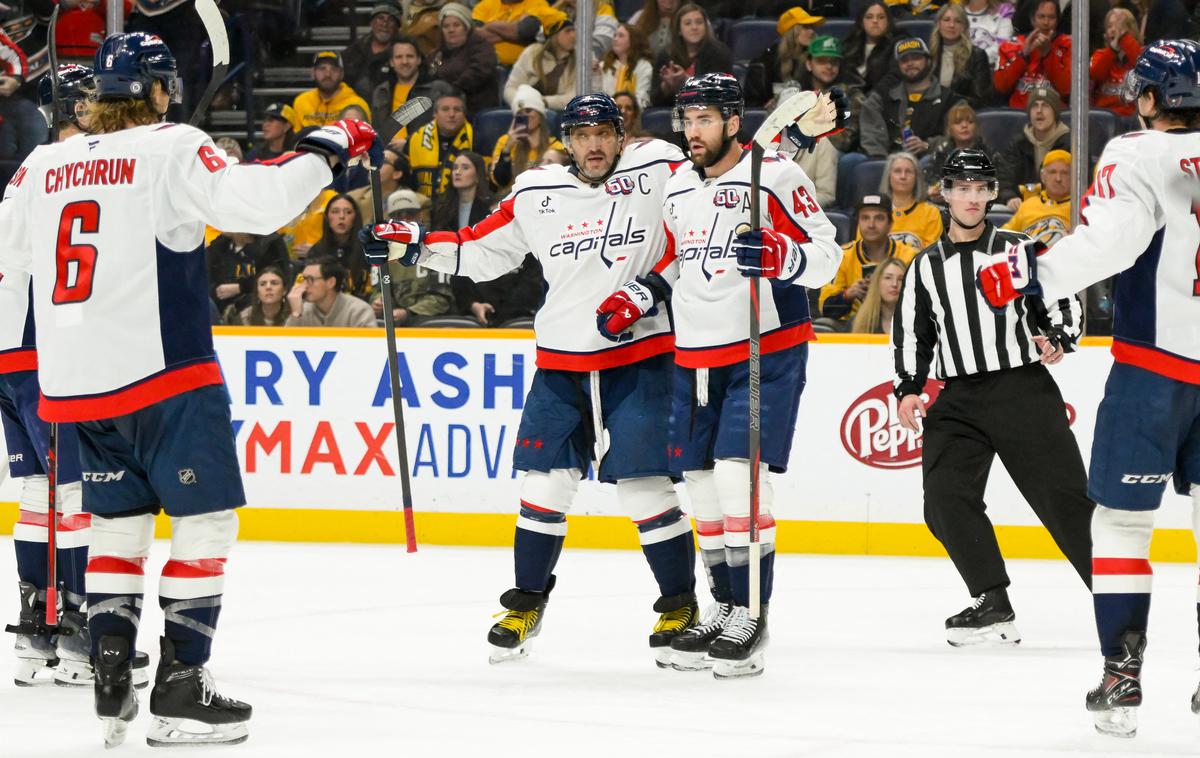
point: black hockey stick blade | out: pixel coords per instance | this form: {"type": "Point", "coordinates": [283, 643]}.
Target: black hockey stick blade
{"type": "Point", "coordinates": [52, 52]}
{"type": "Point", "coordinates": [403, 116]}
{"type": "Point", "coordinates": [218, 40]}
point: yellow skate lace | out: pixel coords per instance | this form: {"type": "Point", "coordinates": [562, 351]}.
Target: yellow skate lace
{"type": "Point", "coordinates": [674, 621]}
{"type": "Point", "coordinates": [521, 622]}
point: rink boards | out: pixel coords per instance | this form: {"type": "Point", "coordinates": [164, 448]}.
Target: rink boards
{"type": "Point", "coordinates": [313, 425]}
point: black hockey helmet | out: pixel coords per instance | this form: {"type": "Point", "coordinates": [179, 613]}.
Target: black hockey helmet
{"type": "Point", "coordinates": [589, 110]}
{"type": "Point", "coordinates": [128, 64]}
{"type": "Point", "coordinates": [75, 85]}
{"type": "Point", "coordinates": [1172, 69]}
{"type": "Point", "coordinates": [970, 164]}
{"type": "Point", "coordinates": [718, 90]}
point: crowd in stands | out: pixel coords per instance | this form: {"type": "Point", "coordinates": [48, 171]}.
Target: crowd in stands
{"type": "Point", "coordinates": [924, 77]}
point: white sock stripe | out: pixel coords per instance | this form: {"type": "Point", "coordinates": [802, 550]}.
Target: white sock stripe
{"type": "Point", "coordinates": [29, 533]}
{"type": "Point", "coordinates": [191, 587]}
{"type": "Point", "coordinates": [664, 533]}
{"type": "Point", "coordinates": [71, 540]}
{"type": "Point", "coordinates": [742, 539]}
{"type": "Point", "coordinates": [1121, 584]}
{"type": "Point", "coordinates": [554, 530]}
{"type": "Point", "coordinates": [115, 584]}
{"type": "Point", "coordinates": [713, 542]}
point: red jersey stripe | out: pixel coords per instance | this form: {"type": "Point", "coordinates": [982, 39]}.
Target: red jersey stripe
{"type": "Point", "coordinates": [772, 342]}
{"type": "Point", "coordinates": [1110, 566]}
{"type": "Point", "coordinates": [1156, 360]}
{"type": "Point", "coordinates": [20, 359]}
{"type": "Point", "coordinates": [132, 398]}
{"type": "Point", "coordinates": [201, 568]}
{"type": "Point", "coordinates": [110, 564]}
{"type": "Point", "coordinates": [598, 361]}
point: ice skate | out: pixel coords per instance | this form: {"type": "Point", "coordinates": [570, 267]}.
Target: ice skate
{"type": "Point", "coordinates": [512, 635]}
{"type": "Point", "coordinates": [989, 620]}
{"type": "Point", "coordinates": [1196, 701]}
{"type": "Point", "coordinates": [738, 649]}
{"type": "Point", "coordinates": [678, 613]}
{"type": "Point", "coordinates": [188, 710]}
{"type": "Point", "coordinates": [116, 700]}
{"type": "Point", "coordinates": [74, 654]}
{"type": "Point", "coordinates": [1114, 703]}
{"type": "Point", "coordinates": [34, 647]}
{"type": "Point", "coordinates": [689, 651]}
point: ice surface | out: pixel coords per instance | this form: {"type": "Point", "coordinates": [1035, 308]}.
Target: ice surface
{"type": "Point", "coordinates": [342, 649]}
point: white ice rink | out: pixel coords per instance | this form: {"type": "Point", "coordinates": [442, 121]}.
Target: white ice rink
{"type": "Point", "coordinates": [350, 651]}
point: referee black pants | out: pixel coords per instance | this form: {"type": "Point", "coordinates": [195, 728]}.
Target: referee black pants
{"type": "Point", "coordinates": [1019, 415]}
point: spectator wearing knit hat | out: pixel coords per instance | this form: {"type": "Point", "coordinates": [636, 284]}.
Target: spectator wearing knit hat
{"type": "Point", "coordinates": [1046, 214]}
{"type": "Point", "coordinates": [527, 140]}
{"type": "Point", "coordinates": [1019, 163]}
{"type": "Point", "coordinates": [466, 59]}
{"type": "Point", "coordinates": [784, 61]}
{"type": "Point", "coordinates": [367, 58]}
{"type": "Point", "coordinates": [548, 67]}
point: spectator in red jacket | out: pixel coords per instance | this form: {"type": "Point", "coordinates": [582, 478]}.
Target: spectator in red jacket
{"type": "Point", "coordinates": [80, 31]}
{"type": "Point", "coordinates": [1039, 59]}
{"type": "Point", "coordinates": [1122, 46]}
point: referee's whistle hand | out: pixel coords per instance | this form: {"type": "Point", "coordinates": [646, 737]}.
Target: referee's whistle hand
{"type": "Point", "coordinates": [912, 410]}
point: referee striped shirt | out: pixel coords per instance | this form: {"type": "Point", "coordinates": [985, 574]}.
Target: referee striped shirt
{"type": "Point", "coordinates": [942, 318]}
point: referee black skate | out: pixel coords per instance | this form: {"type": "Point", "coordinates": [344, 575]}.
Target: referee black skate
{"type": "Point", "coordinates": [998, 400]}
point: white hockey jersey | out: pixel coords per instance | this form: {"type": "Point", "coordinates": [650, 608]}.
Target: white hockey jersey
{"type": "Point", "coordinates": [589, 238]}
{"type": "Point", "coordinates": [111, 227]}
{"type": "Point", "coordinates": [711, 298]}
{"type": "Point", "coordinates": [1141, 221]}
{"type": "Point", "coordinates": [18, 346]}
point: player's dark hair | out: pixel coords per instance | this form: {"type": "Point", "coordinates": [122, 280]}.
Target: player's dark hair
{"type": "Point", "coordinates": [331, 268]}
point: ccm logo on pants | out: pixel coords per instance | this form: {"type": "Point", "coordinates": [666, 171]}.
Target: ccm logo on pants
{"type": "Point", "coordinates": [1145, 478]}
{"type": "Point", "coordinates": [103, 476]}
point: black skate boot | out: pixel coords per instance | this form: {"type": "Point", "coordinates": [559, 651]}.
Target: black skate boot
{"type": "Point", "coordinates": [116, 701]}
{"type": "Point", "coordinates": [738, 649]}
{"type": "Point", "coordinates": [187, 708]}
{"type": "Point", "coordinates": [34, 647]}
{"type": "Point", "coordinates": [988, 620]}
{"type": "Point", "coordinates": [511, 636]}
{"type": "Point", "coordinates": [678, 614]}
{"type": "Point", "coordinates": [74, 653]}
{"type": "Point", "coordinates": [1196, 701]}
{"type": "Point", "coordinates": [689, 651]}
{"type": "Point", "coordinates": [1114, 703]}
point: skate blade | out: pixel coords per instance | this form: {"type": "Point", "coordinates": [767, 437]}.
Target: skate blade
{"type": "Point", "coordinates": [1116, 722]}
{"type": "Point", "coordinates": [173, 732]}
{"type": "Point", "coordinates": [681, 661]}
{"type": "Point", "coordinates": [752, 666]}
{"type": "Point", "coordinates": [1000, 635]}
{"type": "Point", "coordinates": [662, 656]}
{"type": "Point", "coordinates": [506, 654]}
{"type": "Point", "coordinates": [32, 672]}
{"type": "Point", "coordinates": [115, 731]}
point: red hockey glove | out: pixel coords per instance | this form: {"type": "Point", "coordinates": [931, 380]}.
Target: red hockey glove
{"type": "Point", "coordinates": [1011, 274]}
{"type": "Point", "coordinates": [622, 309]}
{"type": "Point", "coordinates": [345, 140]}
{"type": "Point", "coordinates": [377, 239]}
{"type": "Point", "coordinates": [767, 253]}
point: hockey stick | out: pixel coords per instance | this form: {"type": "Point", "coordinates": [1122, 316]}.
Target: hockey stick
{"type": "Point", "coordinates": [218, 41]}
{"type": "Point", "coordinates": [403, 116]}
{"type": "Point", "coordinates": [788, 112]}
{"type": "Point", "coordinates": [52, 453]}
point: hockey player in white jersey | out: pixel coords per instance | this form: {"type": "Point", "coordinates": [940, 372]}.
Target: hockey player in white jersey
{"type": "Point", "coordinates": [708, 255]}
{"type": "Point", "coordinates": [110, 225]}
{"type": "Point", "coordinates": [1140, 222]}
{"type": "Point", "coordinates": [592, 226]}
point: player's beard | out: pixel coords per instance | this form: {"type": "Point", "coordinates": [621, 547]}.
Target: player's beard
{"type": "Point", "coordinates": [712, 156]}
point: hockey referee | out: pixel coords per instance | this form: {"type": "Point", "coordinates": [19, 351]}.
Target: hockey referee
{"type": "Point", "coordinates": [998, 400]}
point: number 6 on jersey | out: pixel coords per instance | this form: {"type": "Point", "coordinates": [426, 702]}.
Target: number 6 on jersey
{"type": "Point", "coordinates": [75, 261]}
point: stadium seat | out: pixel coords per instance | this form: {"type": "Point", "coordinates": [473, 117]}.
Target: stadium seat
{"type": "Point", "coordinates": [739, 72]}
{"type": "Point", "coordinates": [552, 123]}
{"type": "Point", "coordinates": [836, 27]}
{"type": "Point", "coordinates": [843, 224]}
{"type": "Point", "coordinates": [865, 180]}
{"type": "Point", "coordinates": [450, 322]}
{"type": "Point", "coordinates": [999, 125]}
{"type": "Point", "coordinates": [999, 215]}
{"type": "Point", "coordinates": [524, 322]}
{"type": "Point", "coordinates": [751, 120]}
{"type": "Point", "coordinates": [657, 121]}
{"type": "Point", "coordinates": [626, 8]}
{"type": "Point", "coordinates": [1102, 126]}
{"type": "Point", "coordinates": [749, 37]}
{"type": "Point", "coordinates": [915, 27]}
{"type": "Point", "coordinates": [501, 79]}
{"type": "Point", "coordinates": [489, 124]}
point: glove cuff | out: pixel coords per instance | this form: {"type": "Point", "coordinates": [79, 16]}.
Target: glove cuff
{"type": "Point", "coordinates": [905, 388]}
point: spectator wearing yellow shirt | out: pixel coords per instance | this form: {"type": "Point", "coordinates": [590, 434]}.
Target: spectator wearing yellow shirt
{"type": "Point", "coordinates": [840, 299]}
{"type": "Point", "coordinates": [1046, 216]}
{"type": "Point", "coordinates": [407, 78]}
{"type": "Point", "coordinates": [915, 222]}
{"type": "Point", "coordinates": [432, 149]}
{"type": "Point", "coordinates": [513, 25]}
{"type": "Point", "coordinates": [527, 140]}
{"type": "Point", "coordinates": [321, 105]}
{"type": "Point", "coordinates": [548, 67]}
